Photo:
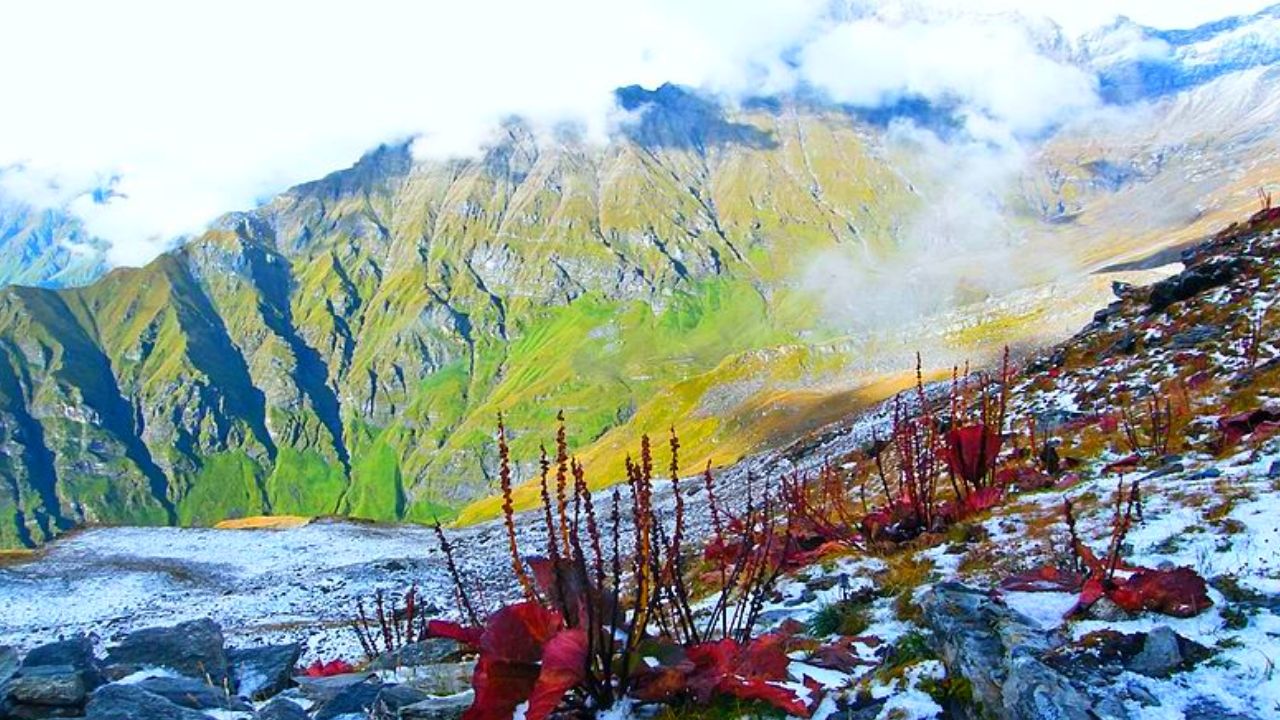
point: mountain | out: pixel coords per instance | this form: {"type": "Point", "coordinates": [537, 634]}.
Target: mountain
{"type": "Point", "coordinates": [346, 347]}
{"type": "Point", "coordinates": [46, 247]}
{"type": "Point", "coordinates": [747, 274]}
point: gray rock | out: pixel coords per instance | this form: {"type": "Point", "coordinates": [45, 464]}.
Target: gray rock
{"type": "Point", "coordinates": [1106, 610]}
{"type": "Point", "coordinates": [128, 702]}
{"type": "Point", "coordinates": [281, 709]}
{"type": "Point", "coordinates": [262, 672]}
{"type": "Point", "coordinates": [1002, 655]}
{"type": "Point", "coordinates": [1160, 655]}
{"type": "Point", "coordinates": [1033, 690]}
{"type": "Point", "coordinates": [393, 697]}
{"type": "Point", "coordinates": [438, 708]}
{"type": "Point", "coordinates": [442, 679]}
{"type": "Point", "coordinates": [76, 651]}
{"type": "Point", "coordinates": [9, 663]}
{"type": "Point", "coordinates": [323, 689]}
{"type": "Point", "coordinates": [194, 649]}
{"type": "Point", "coordinates": [427, 652]}
{"type": "Point", "coordinates": [1197, 335]}
{"type": "Point", "coordinates": [1211, 710]}
{"type": "Point", "coordinates": [353, 699]}
{"type": "Point", "coordinates": [192, 693]}
{"type": "Point", "coordinates": [56, 685]}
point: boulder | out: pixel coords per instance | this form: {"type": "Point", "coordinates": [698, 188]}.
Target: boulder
{"type": "Point", "coordinates": [48, 685]}
{"type": "Point", "coordinates": [1001, 653]}
{"type": "Point", "coordinates": [393, 697]}
{"type": "Point", "coordinates": [194, 694]}
{"type": "Point", "coordinates": [428, 652]}
{"type": "Point", "coordinates": [281, 709]}
{"type": "Point", "coordinates": [76, 652]}
{"type": "Point", "coordinates": [357, 699]}
{"type": "Point", "coordinates": [9, 663]}
{"type": "Point", "coordinates": [262, 672]}
{"type": "Point", "coordinates": [1192, 282]}
{"type": "Point", "coordinates": [129, 702]}
{"type": "Point", "coordinates": [194, 649]}
{"type": "Point", "coordinates": [442, 679]}
{"type": "Point", "coordinates": [438, 708]}
{"type": "Point", "coordinates": [323, 689]}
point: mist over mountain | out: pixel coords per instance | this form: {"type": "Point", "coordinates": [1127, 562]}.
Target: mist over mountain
{"type": "Point", "coordinates": [746, 270]}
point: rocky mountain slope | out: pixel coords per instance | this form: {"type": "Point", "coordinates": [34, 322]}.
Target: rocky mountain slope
{"type": "Point", "coordinates": [346, 347]}
{"type": "Point", "coordinates": [975, 619]}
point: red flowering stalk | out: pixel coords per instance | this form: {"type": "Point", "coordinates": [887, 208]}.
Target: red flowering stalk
{"type": "Point", "coordinates": [562, 479]}
{"type": "Point", "coordinates": [508, 512]}
{"type": "Point", "coordinates": [459, 586]}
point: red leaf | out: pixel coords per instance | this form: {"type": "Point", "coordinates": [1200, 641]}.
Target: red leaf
{"type": "Point", "coordinates": [511, 649]}
{"type": "Point", "coordinates": [564, 666]}
{"type": "Point", "coordinates": [516, 633]}
{"type": "Point", "coordinates": [319, 668]}
{"type": "Point", "coordinates": [839, 655]}
{"type": "Point", "coordinates": [1179, 592]}
{"type": "Point", "coordinates": [1124, 464]}
{"type": "Point", "coordinates": [454, 631]}
{"type": "Point", "coordinates": [500, 687]}
{"type": "Point", "coordinates": [972, 451]}
{"type": "Point", "coordinates": [1235, 428]}
{"type": "Point", "coordinates": [779, 697]}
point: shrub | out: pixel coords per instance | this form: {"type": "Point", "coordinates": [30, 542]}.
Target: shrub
{"type": "Point", "coordinates": [594, 611]}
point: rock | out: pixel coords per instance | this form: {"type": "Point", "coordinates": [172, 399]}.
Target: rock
{"type": "Point", "coordinates": [323, 689]}
{"type": "Point", "coordinates": [1033, 690]}
{"type": "Point", "coordinates": [56, 685]}
{"type": "Point", "coordinates": [1126, 345]}
{"type": "Point", "coordinates": [262, 672]}
{"type": "Point", "coordinates": [393, 697]}
{"type": "Point", "coordinates": [442, 679]}
{"type": "Point", "coordinates": [194, 649]}
{"type": "Point", "coordinates": [1194, 337]}
{"type": "Point", "coordinates": [438, 708]}
{"type": "Point", "coordinates": [129, 702]}
{"type": "Point", "coordinates": [9, 663]}
{"type": "Point", "coordinates": [281, 709]}
{"type": "Point", "coordinates": [426, 652]}
{"type": "Point", "coordinates": [1160, 655]}
{"type": "Point", "coordinates": [1192, 282]}
{"type": "Point", "coordinates": [1106, 610]}
{"type": "Point", "coordinates": [76, 651]}
{"type": "Point", "coordinates": [1211, 710]}
{"type": "Point", "coordinates": [1120, 289]}
{"type": "Point", "coordinates": [1273, 472]}
{"type": "Point", "coordinates": [1002, 655]}
{"type": "Point", "coordinates": [194, 694]}
{"type": "Point", "coordinates": [353, 699]}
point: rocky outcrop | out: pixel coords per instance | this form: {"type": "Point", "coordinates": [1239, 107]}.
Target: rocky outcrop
{"type": "Point", "coordinates": [168, 673]}
{"type": "Point", "coordinates": [1019, 672]}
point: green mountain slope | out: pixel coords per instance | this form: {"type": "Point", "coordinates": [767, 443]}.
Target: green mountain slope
{"type": "Point", "coordinates": [347, 347]}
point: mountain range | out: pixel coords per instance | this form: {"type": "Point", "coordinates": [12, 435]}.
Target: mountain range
{"type": "Point", "coordinates": [347, 347]}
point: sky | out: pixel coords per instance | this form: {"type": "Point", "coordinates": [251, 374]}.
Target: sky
{"type": "Point", "coordinates": [189, 110]}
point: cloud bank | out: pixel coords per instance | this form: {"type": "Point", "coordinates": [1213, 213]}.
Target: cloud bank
{"type": "Point", "coordinates": [187, 110]}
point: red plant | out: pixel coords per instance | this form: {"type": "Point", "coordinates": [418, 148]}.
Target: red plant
{"type": "Point", "coordinates": [1234, 428]}
{"type": "Point", "coordinates": [1179, 592]}
{"type": "Point", "coordinates": [821, 511]}
{"type": "Point", "coordinates": [390, 626]}
{"type": "Point", "coordinates": [591, 617]}
{"type": "Point", "coordinates": [911, 463]}
{"type": "Point", "coordinates": [1147, 430]}
{"type": "Point", "coordinates": [320, 668]}
{"type": "Point", "coordinates": [725, 667]}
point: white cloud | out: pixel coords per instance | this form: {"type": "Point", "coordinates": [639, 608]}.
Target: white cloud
{"type": "Point", "coordinates": [202, 108]}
